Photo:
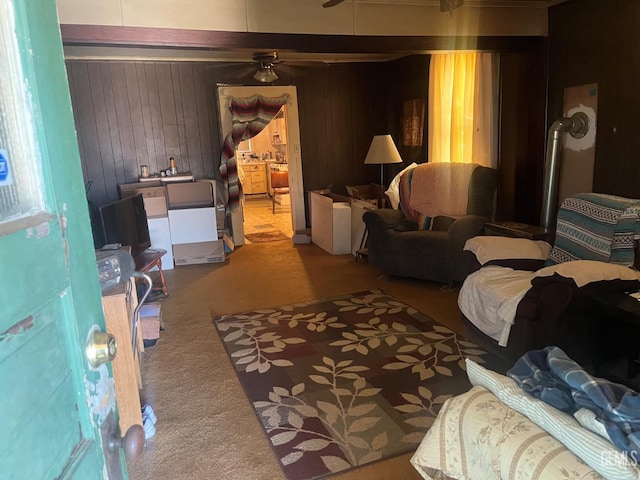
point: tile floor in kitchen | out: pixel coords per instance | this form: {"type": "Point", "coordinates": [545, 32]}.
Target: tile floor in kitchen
{"type": "Point", "coordinates": [258, 216]}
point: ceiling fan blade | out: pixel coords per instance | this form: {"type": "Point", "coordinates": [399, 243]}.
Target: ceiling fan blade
{"type": "Point", "coordinates": [332, 3]}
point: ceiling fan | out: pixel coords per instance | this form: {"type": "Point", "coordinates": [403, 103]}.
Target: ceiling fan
{"type": "Point", "coordinates": [265, 73]}
{"type": "Point", "coordinates": [445, 5]}
{"type": "Point", "coordinates": [266, 66]}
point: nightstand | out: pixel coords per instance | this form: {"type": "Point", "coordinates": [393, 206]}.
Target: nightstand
{"type": "Point", "coordinates": [518, 230]}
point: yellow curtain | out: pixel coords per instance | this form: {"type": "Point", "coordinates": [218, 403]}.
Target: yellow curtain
{"type": "Point", "coordinates": [462, 105]}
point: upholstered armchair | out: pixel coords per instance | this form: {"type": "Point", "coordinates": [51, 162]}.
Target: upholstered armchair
{"type": "Point", "coordinates": [442, 205]}
{"type": "Point", "coordinates": [551, 303]}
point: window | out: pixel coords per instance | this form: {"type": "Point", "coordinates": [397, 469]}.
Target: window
{"type": "Point", "coordinates": [463, 108]}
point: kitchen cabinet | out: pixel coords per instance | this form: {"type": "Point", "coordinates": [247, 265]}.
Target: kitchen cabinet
{"type": "Point", "coordinates": [254, 177]}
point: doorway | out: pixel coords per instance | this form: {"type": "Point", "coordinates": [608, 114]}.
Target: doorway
{"type": "Point", "coordinates": [261, 160]}
{"type": "Point", "coordinates": [300, 234]}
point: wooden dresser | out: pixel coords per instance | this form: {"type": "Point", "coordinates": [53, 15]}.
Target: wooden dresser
{"type": "Point", "coordinates": [119, 304]}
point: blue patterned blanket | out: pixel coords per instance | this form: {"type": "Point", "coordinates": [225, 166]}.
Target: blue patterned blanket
{"type": "Point", "coordinates": [595, 226]}
{"type": "Point", "coordinates": [557, 380]}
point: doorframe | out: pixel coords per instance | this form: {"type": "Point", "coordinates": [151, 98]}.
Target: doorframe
{"type": "Point", "coordinates": [298, 216]}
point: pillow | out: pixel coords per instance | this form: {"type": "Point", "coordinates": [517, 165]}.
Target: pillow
{"type": "Point", "coordinates": [589, 420]}
{"type": "Point", "coordinates": [487, 248]}
{"type": "Point", "coordinates": [475, 435]}
{"type": "Point", "coordinates": [588, 271]}
{"type": "Point", "coordinates": [393, 192]}
{"type": "Point", "coordinates": [594, 450]}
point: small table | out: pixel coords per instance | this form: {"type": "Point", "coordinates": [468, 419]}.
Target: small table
{"type": "Point", "coordinates": [519, 230]}
{"type": "Point", "coordinates": [148, 259]}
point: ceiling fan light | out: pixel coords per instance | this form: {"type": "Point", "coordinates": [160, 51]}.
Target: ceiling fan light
{"type": "Point", "coordinates": [265, 75]}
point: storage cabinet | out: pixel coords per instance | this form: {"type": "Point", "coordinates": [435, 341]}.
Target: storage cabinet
{"type": "Point", "coordinates": [193, 225]}
{"type": "Point", "coordinates": [160, 235]}
{"type": "Point", "coordinates": [174, 210]}
{"type": "Point", "coordinates": [118, 305]}
{"type": "Point", "coordinates": [154, 197]}
{"type": "Point", "coordinates": [255, 178]}
{"type": "Point", "coordinates": [331, 222]}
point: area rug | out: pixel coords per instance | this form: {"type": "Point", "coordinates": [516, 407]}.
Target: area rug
{"type": "Point", "coordinates": [262, 237]}
{"type": "Point", "coordinates": [342, 382]}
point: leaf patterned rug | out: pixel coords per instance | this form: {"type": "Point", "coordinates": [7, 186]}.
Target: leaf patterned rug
{"type": "Point", "coordinates": [342, 382]}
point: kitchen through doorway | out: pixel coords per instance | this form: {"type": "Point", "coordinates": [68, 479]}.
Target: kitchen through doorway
{"type": "Point", "coordinates": [267, 211]}
{"type": "Point", "coordinates": [281, 150]}
{"type": "Point", "coordinates": [261, 224]}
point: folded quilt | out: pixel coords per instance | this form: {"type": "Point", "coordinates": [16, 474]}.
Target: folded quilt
{"type": "Point", "coordinates": [441, 188]}
{"type": "Point", "coordinates": [557, 380]}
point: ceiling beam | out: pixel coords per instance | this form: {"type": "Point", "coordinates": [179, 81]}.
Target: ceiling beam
{"type": "Point", "coordinates": [116, 36]}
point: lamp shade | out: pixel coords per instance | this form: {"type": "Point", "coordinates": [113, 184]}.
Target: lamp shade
{"type": "Point", "coordinates": [382, 150]}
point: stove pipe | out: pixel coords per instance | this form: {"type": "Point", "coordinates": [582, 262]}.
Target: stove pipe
{"type": "Point", "coordinates": [577, 126]}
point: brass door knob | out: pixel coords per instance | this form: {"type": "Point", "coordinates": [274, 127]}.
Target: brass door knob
{"type": "Point", "coordinates": [101, 347]}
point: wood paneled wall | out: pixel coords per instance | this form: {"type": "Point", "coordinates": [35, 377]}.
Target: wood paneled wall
{"type": "Point", "coordinates": [133, 113]}
{"type": "Point", "coordinates": [592, 41]}
{"type": "Point", "coordinates": [521, 154]}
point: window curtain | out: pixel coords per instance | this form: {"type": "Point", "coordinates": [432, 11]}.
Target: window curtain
{"type": "Point", "coordinates": [249, 117]}
{"type": "Point", "coordinates": [463, 104]}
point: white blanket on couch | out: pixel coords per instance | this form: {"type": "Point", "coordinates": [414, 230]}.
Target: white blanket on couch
{"type": "Point", "coordinates": [489, 298]}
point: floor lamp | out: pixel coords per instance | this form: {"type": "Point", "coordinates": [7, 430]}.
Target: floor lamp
{"type": "Point", "coordinates": [381, 152]}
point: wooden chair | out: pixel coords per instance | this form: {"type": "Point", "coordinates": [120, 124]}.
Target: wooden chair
{"type": "Point", "coordinates": [279, 186]}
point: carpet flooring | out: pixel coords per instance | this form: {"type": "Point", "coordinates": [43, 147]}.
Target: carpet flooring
{"type": "Point", "coordinates": [343, 382]}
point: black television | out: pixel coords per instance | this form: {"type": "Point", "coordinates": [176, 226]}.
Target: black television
{"type": "Point", "coordinates": [125, 221]}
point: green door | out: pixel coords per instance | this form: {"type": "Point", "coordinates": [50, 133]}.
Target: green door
{"type": "Point", "coordinates": [56, 409]}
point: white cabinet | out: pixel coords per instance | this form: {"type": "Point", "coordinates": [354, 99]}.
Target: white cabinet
{"type": "Point", "coordinates": [192, 225]}
{"type": "Point", "coordinates": [160, 235]}
{"type": "Point", "coordinates": [330, 222]}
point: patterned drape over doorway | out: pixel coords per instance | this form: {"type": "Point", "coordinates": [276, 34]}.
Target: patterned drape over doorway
{"type": "Point", "coordinates": [249, 117]}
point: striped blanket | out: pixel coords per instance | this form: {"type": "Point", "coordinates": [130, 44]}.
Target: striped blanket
{"type": "Point", "coordinates": [593, 226]}
{"type": "Point", "coordinates": [557, 380]}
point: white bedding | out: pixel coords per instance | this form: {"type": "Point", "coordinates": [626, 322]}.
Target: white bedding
{"type": "Point", "coordinates": [477, 437]}
{"type": "Point", "coordinates": [490, 296]}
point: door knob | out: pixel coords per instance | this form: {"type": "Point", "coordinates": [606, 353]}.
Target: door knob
{"type": "Point", "coordinates": [101, 347]}
{"type": "Point", "coordinates": [132, 442]}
